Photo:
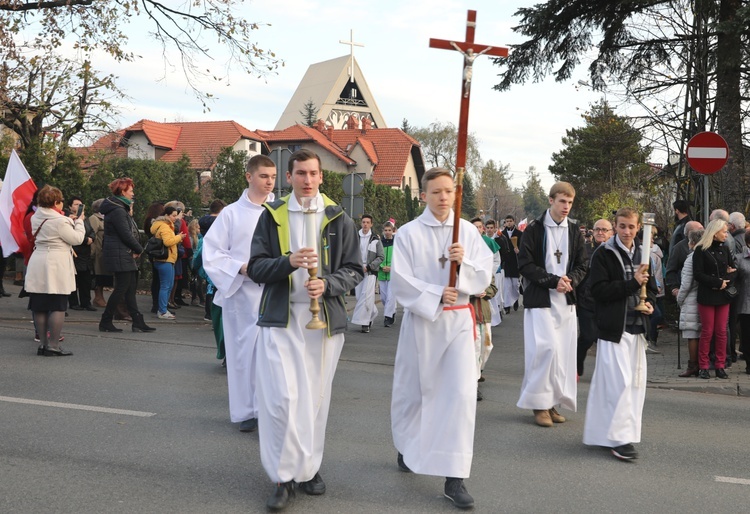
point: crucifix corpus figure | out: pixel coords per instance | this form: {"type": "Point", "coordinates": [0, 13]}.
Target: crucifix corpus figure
{"type": "Point", "coordinates": [469, 57]}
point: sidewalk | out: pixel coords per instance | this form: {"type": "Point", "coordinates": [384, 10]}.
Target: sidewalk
{"type": "Point", "coordinates": [663, 370]}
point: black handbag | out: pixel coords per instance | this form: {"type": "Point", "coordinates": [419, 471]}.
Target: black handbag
{"type": "Point", "coordinates": [731, 290]}
{"type": "Point", "coordinates": [155, 249]}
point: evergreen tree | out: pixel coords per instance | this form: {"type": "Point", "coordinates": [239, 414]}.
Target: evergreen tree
{"type": "Point", "coordinates": [309, 113]}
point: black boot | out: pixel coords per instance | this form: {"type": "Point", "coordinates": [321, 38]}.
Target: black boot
{"type": "Point", "coordinates": [2, 289]}
{"type": "Point", "coordinates": [106, 325]}
{"type": "Point", "coordinates": [139, 325]}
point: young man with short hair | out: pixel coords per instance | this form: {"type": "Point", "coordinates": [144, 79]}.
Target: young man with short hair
{"type": "Point", "coordinates": [371, 252]}
{"type": "Point", "coordinates": [295, 365]}
{"type": "Point", "coordinates": [433, 408]}
{"type": "Point", "coordinates": [618, 387]}
{"type": "Point", "coordinates": [511, 265]}
{"type": "Point", "coordinates": [384, 276]}
{"type": "Point", "coordinates": [552, 262]}
{"type": "Point", "coordinates": [225, 252]}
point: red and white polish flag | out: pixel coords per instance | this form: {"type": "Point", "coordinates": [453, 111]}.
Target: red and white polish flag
{"type": "Point", "coordinates": [15, 197]}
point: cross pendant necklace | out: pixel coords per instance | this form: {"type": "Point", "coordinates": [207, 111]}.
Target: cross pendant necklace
{"type": "Point", "coordinates": [443, 259]}
{"type": "Point", "coordinates": [558, 254]}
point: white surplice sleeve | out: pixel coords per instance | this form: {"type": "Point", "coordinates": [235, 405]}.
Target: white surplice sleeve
{"type": "Point", "coordinates": [477, 270]}
{"type": "Point", "coordinates": [221, 266]}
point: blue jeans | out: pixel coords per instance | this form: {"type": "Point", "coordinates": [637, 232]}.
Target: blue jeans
{"type": "Point", "coordinates": [166, 278]}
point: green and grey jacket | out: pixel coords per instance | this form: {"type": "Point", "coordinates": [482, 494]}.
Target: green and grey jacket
{"type": "Point", "coordinates": [269, 264]}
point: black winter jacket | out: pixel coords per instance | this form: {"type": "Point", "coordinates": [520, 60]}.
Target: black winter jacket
{"type": "Point", "coordinates": [709, 270]}
{"type": "Point", "coordinates": [82, 252]}
{"type": "Point", "coordinates": [611, 291]}
{"type": "Point", "coordinates": [340, 264]}
{"type": "Point", "coordinates": [121, 237]}
{"type": "Point", "coordinates": [537, 281]}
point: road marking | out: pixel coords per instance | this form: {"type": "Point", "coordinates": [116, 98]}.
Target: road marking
{"type": "Point", "coordinates": [730, 480]}
{"type": "Point", "coordinates": [78, 407]}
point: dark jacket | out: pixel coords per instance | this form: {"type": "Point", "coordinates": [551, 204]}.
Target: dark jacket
{"type": "Point", "coordinates": [537, 281]}
{"type": "Point", "coordinates": [511, 264]}
{"type": "Point", "coordinates": [678, 234]}
{"type": "Point", "coordinates": [339, 262]}
{"type": "Point", "coordinates": [584, 300]}
{"type": "Point", "coordinates": [675, 262]}
{"type": "Point", "coordinates": [611, 291]}
{"type": "Point", "coordinates": [121, 237]}
{"type": "Point", "coordinates": [82, 253]}
{"type": "Point", "coordinates": [709, 270]}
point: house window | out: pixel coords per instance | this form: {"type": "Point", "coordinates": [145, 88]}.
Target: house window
{"type": "Point", "coordinates": [294, 148]}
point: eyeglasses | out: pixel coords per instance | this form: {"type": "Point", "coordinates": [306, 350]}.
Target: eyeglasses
{"type": "Point", "coordinates": [602, 229]}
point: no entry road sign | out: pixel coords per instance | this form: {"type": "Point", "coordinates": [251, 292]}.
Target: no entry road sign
{"type": "Point", "coordinates": [707, 152]}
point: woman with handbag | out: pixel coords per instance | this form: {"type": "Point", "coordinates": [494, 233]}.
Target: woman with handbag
{"type": "Point", "coordinates": [121, 248]}
{"type": "Point", "coordinates": [714, 271]}
{"type": "Point", "coordinates": [163, 229]}
{"type": "Point", "coordinates": [50, 276]}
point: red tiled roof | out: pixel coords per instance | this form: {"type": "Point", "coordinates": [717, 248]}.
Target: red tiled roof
{"type": "Point", "coordinates": [388, 149]}
{"type": "Point", "coordinates": [109, 144]}
{"type": "Point", "coordinates": [160, 135]}
{"type": "Point", "coordinates": [302, 133]}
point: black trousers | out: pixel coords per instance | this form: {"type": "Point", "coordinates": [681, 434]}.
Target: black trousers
{"type": "Point", "coordinates": [125, 287]}
{"type": "Point", "coordinates": [587, 336]}
{"type": "Point", "coordinates": [82, 295]}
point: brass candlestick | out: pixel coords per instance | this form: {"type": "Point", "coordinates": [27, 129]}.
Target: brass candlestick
{"type": "Point", "coordinates": [310, 210]}
{"type": "Point", "coordinates": [649, 220]}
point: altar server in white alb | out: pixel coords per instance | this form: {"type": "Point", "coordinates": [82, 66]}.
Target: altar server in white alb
{"type": "Point", "coordinates": [618, 387]}
{"type": "Point", "coordinates": [371, 251]}
{"type": "Point", "coordinates": [226, 252]}
{"type": "Point", "coordinates": [552, 262]}
{"type": "Point", "coordinates": [295, 365]}
{"type": "Point", "coordinates": [433, 408]}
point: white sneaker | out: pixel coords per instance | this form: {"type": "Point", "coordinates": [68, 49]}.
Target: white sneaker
{"type": "Point", "coordinates": [166, 315]}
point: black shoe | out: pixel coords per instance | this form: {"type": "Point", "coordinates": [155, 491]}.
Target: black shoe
{"type": "Point", "coordinates": [625, 452]}
{"type": "Point", "coordinates": [480, 396]}
{"type": "Point", "coordinates": [455, 491]}
{"type": "Point", "coordinates": [249, 425]}
{"type": "Point", "coordinates": [365, 329]}
{"type": "Point", "coordinates": [704, 374]}
{"type": "Point", "coordinates": [55, 352]}
{"type": "Point", "coordinates": [40, 350]}
{"type": "Point", "coordinates": [107, 326]}
{"type": "Point", "coordinates": [402, 465]}
{"type": "Point", "coordinates": [181, 302]}
{"type": "Point", "coordinates": [515, 305]}
{"type": "Point", "coordinates": [3, 293]}
{"type": "Point", "coordinates": [734, 357]}
{"type": "Point", "coordinates": [314, 487]}
{"type": "Point", "coordinates": [720, 373]}
{"type": "Point", "coordinates": [91, 308]}
{"type": "Point", "coordinates": [76, 308]}
{"type": "Point", "coordinates": [507, 310]}
{"type": "Point", "coordinates": [139, 325]}
{"type": "Point", "coordinates": [281, 496]}
{"type": "Point", "coordinates": [154, 310]}
{"type": "Point", "coordinates": [481, 378]}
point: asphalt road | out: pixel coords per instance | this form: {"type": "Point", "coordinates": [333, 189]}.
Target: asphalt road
{"type": "Point", "coordinates": [172, 447]}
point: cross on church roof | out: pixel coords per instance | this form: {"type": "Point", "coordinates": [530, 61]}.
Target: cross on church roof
{"type": "Point", "coordinates": [351, 44]}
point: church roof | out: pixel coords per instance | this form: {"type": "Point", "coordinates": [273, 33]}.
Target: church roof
{"type": "Point", "coordinates": [323, 83]}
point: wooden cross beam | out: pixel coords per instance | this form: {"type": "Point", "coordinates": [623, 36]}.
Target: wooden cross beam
{"type": "Point", "coordinates": [470, 50]}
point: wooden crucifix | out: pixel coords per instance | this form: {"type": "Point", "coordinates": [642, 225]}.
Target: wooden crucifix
{"type": "Point", "coordinates": [470, 51]}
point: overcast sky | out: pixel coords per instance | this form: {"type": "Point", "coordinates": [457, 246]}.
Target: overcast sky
{"type": "Point", "coordinates": [408, 79]}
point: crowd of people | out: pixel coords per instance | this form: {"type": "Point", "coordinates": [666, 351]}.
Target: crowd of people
{"type": "Point", "coordinates": [260, 265]}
